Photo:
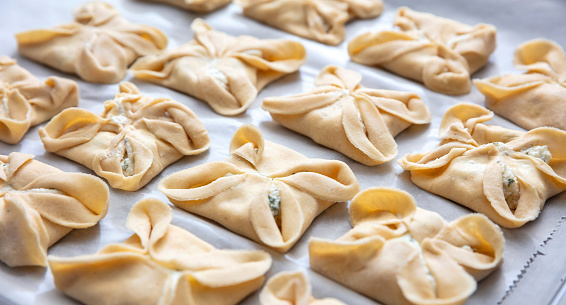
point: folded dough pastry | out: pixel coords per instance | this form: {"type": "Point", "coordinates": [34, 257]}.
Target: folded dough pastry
{"type": "Point", "coordinates": [98, 46]}
{"type": "Point", "coordinates": [397, 253]}
{"type": "Point", "coordinates": [160, 264]}
{"type": "Point", "coordinates": [343, 115]}
{"type": "Point", "coordinates": [505, 174]}
{"type": "Point", "coordinates": [133, 140]}
{"type": "Point", "coordinates": [291, 288]}
{"type": "Point", "coordinates": [224, 71]}
{"type": "Point", "coordinates": [25, 101]}
{"type": "Point", "coordinates": [263, 191]}
{"type": "Point", "coordinates": [439, 52]}
{"type": "Point", "coordinates": [201, 6]}
{"type": "Point", "coordinates": [320, 20]}
{"type": "Point", "coordinates": [536, 98]}
{"type": "Point", "coordinates": [39, 204]}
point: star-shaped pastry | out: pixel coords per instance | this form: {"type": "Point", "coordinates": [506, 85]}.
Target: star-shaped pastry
{"type": "Point", "coordinates": [25, 101]}
{"type": "Point", "coordinates": [536, 98]}
{"type": "Point", "coordinates": [505, 174]}
{"type": "Point", "coordinates": [224, 71]}
{"type": "Point", "coordinates": [131, 142]}
{"type": "Point", "coordinates": [263, 191]}
{"type": "Point", "coordinates": [320, 20]}
{"type": "Point", "coordinates": [39, 204]}
{"type": "Point", "coordinates": [439, 52]}
{"type": "Point", "coordinates": [397, 253]}
{"type": "Point", "coordinates": [343, 115]}
{"type": "Point", "coordinates": [98, 46]}
{"type": "Point", "coordinates": [160, 264]}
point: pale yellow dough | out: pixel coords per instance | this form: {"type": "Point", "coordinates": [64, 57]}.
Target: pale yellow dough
{"type": "Point", "coordinates": [25, 101]}
{"type": "Point", "coordinates": [343, 115]}
{"type": "Point", "coordinates": [399, 254]}
{"type": "Point", "coordinates": [133, 140]}
{"type": "Point", "coordinates": [320, 20]}
{"type": "Point", "coordinates": [536, 98]}
{"type": "Point", "coordinates": [39, 204]}
{"type": "Point", "coordinates": [237, 192]}
{"type": "Point", "coordinates": [224, 71]}
{"type": "Point", "coordinates": [439, 52]}
{"type": "Point", "coordinates": [505, 174]}
{"type": "Point", "coordinates": [160, 264]}
{"type": "Point", "coordinates": [98, 46]}
{"type": "Point", "coordinates": [201, 6]}
{"type": "Point", "coordinates": [291, 288]}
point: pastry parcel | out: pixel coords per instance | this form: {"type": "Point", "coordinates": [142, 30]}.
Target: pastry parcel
{"type": "Point", "coordinates": [224, 71]}
{"type": "Point", "coordinates": [98, 46]}
{"type": "Point", "coordinates": [320, 20]}
{"type": "Point", "coordinates": [133, 140]}
{"type": "Point", "coordinates": [160, 264]}
{"type": "Point", "coordinates": [343, 115]}
{"type": "Point", "coordinates": [441, 53]}
{"type": "Point", "coordinates": [536, 98]}
{"type": "Point", "coordinates": [25, 101]}
{"type": "Point", "coordinates": [263, 191]}
{"type": "Point", "coordinates": [505, 174]}
{"type": "Point", "coordinates": [399, 254]}
{"type": "Point", "coordinates": [39, 204]}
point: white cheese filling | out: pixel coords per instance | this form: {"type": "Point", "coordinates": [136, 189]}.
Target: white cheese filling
{"type": "Point", "coordinates": [121, 118]}
{"type": "Point", "coordinates": [510, 185]}
{"type": "Point", "coordinates": [274, 200]}
{"type": "Point", "coordinates": [4, 106]}
{"type": "Point", "coordinates": [128, 162]}
{"type": "Point", "coordinates": [216, 74]}
{"type": "Point", "coordinates": [509, 181]}
{"type": "Point", "coordinates": [415, 244]}
{"type": "Point", "coordinates": [538, 151]}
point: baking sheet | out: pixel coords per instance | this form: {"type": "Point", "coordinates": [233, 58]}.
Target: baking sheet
{"type": "Point", "coordinates": [517, 21]}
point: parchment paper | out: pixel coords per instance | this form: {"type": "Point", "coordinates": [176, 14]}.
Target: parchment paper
{"type": "Point", "coordinates": [517, 21]}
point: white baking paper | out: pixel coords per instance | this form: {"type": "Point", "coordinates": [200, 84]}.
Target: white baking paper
{"type": "Point", "coordinates": [517, 21]}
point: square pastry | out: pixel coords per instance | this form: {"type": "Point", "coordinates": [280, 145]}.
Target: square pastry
{"type": "Point", "coordinates": [536, 98]}
{"type": "Point", "coordinates": [399, 254]}
{"type": "Point", "coordinates": [343, 115]}
{"type": "Point", "coordinates": [320, 20]}
{"type": "Point", "coordinates": [98, 46]}
{"type": "Point", "coordinates": [224, 71]}
{"type": "Point", "coordinates": [505, 174]}
{"type": "Point", "coordinates": [160, 264]}
{"type": "Point", "coordinates": [263, 191]}
{"type": "Point", "coordinates": [25, 101]}
{"type": "Point", "coordinates": [131, 142]}
{"type": "Point", "coordinates": [439, 52]}
{"type": "Point", "coordinates": [39, 204]}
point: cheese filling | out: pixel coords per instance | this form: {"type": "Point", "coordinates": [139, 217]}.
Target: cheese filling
{"type": "Point", "coordinates": [217, 75]}
{"type": "Point", "coordinates": [538, 151]}
{"type": "Point", "coordinates": [274, 200]}
{"type": "Point", "coordinates": [415, 244]}
{"type": "Point", "coordinates": [510, 185]}
{"type": "Point", "coordinates": [128, 162]}
{"type": "Point", "coordinates": [4, 107]}
{"type": "Point", "coordinates": [121, 118]}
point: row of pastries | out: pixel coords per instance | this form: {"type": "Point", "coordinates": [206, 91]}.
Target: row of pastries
{"type": "Point", "coordinates": [265, 191]}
